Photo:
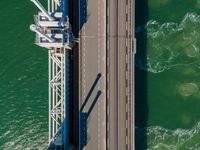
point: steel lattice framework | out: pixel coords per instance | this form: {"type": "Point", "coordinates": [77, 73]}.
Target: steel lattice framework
{"type": "Point", "coordinates": [56, 91]}
{"type": "Point", "coordinates": [57, 86]}
{"type": "Point", "coordinates": [57, 66]}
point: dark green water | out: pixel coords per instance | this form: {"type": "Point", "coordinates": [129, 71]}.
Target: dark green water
{"type": "Point", "coordinates": [169, 64]}
{"type": "Point", "coordinates": [23, 80]}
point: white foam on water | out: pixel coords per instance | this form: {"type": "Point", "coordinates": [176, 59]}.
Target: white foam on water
{"type": "Point", "coordinates": [171, 44]}
{"type": "Point", "coordinates": [160, 138]}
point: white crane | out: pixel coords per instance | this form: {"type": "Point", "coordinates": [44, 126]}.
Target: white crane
{"type": "Point", "coordinates": [55, 34]}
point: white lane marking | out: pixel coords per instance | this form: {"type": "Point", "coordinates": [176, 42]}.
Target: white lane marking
{"type": "Point", "coordinates": [98, 61]}
{"type": "Point", "coordinates": [126, 58]}
{"type": "Point", "coordinates": [84, 70]}
{"type": "Point", "coordinates": [84, 65]}
{"type": "Point", "coordinates": [126, 91]}
{"type": "Point", "coordinates": [84, 57]}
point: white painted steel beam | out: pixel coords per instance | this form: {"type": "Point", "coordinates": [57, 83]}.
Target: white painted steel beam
{"type": "Point", "coordinates": [56, 91]}
{"type": "Point", "coordinates": [42, 9]}
{"type": "Point", "coordinates": [57, 2]}
{"type": "Point", "coordinates": [36, 29]}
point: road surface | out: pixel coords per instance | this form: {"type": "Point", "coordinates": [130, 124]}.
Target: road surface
{"type": "Point", "coordinates": [106, 50]}
{"type": "Point", "coordinates": [93, 75]}
{"type": "Point", "coordinates": [120, 82]}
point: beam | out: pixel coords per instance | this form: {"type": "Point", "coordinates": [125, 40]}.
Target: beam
{"type": "Point", "coordinates": [42, 9]}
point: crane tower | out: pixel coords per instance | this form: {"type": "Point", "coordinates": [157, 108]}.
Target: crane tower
{"type": "Point", "coordinates": [53, 31]}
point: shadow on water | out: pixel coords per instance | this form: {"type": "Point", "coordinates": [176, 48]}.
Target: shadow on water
{"type": "Point", "coordinates": [141, 103]}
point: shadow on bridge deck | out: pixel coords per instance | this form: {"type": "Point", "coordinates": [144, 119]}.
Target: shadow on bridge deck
{"type": "Point", "coordinates": [77, 17]}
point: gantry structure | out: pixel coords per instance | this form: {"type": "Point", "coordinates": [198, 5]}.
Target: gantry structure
{"type": "Point", "coordinates": [53, 32]}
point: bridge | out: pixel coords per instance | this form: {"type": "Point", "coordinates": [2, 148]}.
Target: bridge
{"type": "Point", "coordinates": [91, 47]}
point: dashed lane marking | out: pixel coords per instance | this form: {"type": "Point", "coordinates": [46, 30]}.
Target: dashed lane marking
{"type": "Point", "coordinates": [98, 61]}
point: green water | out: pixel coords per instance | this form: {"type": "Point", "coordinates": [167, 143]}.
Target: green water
{"type": "Point", "coordinates": [23, 80]}
{"type": "Point", "coordinates": [171, 65]}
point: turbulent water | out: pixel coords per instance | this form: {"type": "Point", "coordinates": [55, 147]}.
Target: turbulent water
{"type": "Point", "coordinates": [172, 44]}
{"type": "Point", "coordinates": [170, 62]}
{"type": "Point", "coordinates": [23, 80]}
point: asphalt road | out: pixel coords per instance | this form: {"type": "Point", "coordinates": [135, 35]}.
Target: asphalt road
{"type": "Point", "coordinates": [93, 75]}
{"type": "Point", "coordinates": [106, 75]}
{"type": "Point", "coordinates": [120, 98]}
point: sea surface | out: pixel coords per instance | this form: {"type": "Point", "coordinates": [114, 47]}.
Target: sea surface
{"type": "Point", "coordinates": [23, 80]}
{"type": "Point", "coordinates": [168, 74]}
